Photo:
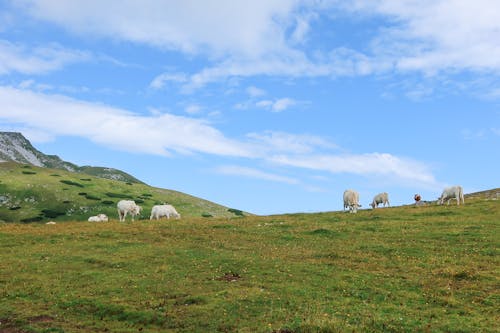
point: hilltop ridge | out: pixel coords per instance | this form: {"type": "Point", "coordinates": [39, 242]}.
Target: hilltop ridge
{"type": "Point", "coordinates": [14, 147]}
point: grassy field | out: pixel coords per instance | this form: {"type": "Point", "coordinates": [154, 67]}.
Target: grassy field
{"type": "Point", "coordinates": [402, 269]}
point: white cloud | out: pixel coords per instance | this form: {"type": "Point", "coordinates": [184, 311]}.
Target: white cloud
{"type": "Point", "coordinates": [278, 105]}
{"type": "Point", "coordinates": [254, 173]}
{"type": "Point", "coordinates": [160, 81]}
{"type": "Point", "coordinates": [280, 142]}
{"type": "Point", "coordinates": [118, 128]}
{"type": "Point", "coordinates": [36, 60]}
{"type": "Point", "coordinates": [376, 164]}
{"type": "Point", "coordinates": [436, 35]}
{"type": "Point", "coordinates": [246, 28]}
{"type": "Point", "coordinates": [163, 133]}
{"type": "Point", "coordinates": [248, 38]}
{"type": "Point", "coordinates": [193, 109]}
{"type": "Point", "coordinates": [255, 92]}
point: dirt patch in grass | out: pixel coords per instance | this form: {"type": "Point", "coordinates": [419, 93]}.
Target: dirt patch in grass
{"type": "Point", "coordinates": [229, 277]}
{"type": "Point", "coordinates": [41, 319]}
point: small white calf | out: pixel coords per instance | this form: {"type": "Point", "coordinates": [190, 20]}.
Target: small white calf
{"type": "Point", "coordinates": [159, 211]}
{"type": "Point", "coordinates": [98, 218]}
{"type": "Point", "coordinates": [381, 198]}
{"type": "Point", "coordinates": [127, 207]}
{"type": "Point", "coordinates": [351, 200]}
{"type": "Point", "coordinates": [452, 192]}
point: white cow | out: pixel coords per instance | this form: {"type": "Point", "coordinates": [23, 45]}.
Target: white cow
{"type": "Point", "coordinates": [98, 218]}
{"type": "Point", "coordinates": [351, 200]}
{"type": "Point", "coordinates": [127, 206]}
{"type": "Point", "coordinates": [452, 192]}
{"type": "Point", "coordinates": [381, 198]}
{"type": "Point", "coordinates": [159, 211]}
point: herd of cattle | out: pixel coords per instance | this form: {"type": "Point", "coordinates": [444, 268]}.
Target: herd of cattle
{"type": "Point", "coordinates": [351, 201]}
{"type": "Point", "coordinates": [351, 198]}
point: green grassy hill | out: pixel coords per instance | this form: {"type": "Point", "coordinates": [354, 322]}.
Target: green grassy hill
{"type": "Point", "coordinates": [401, 269]}
{"type": "Point", "coordinates": [32, 194]}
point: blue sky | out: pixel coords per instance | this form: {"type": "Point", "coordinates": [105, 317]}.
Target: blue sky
{"type": "Point", "coordinates": [266, 106]}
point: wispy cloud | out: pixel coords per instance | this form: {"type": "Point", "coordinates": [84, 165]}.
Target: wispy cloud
{"type": "Point", "coordinates": [255, 92]}
{"type": "Point", "coordinates": [160, 80]}
{"type": "Point", "coordinates": [273, 142]}
{"type": "Point", "coordinates": [244, 39]}
{"type": "Point", "coordinates": [374, 164]}
{"type": "Point", "coordinates": [278, 105]}
{"type": "Point", "coordinates": [15, 57]}
{"type": "Point", "coordinates": [254, 173]}
{"type": "Point", "coordinates": [229, 27]}
{"type": "Point", "coordinates": [158, 134]}
{"type": "Point", "coordinates": [193, 109]}
{"type": "Point", "coordinates": [164, 134]}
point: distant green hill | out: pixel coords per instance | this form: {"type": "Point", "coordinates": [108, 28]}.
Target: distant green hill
{"type": "Point", "coordinates": [31, 194]}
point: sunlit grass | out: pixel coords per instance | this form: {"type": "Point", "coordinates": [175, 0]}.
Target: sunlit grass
{"type": "Point", "coordinates": [404, 269]}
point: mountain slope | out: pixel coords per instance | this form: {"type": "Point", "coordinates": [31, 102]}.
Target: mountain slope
{"type": "Point", "coordinates": [35, 194]}
{"type": "Point", "coordinates": [14, 147]}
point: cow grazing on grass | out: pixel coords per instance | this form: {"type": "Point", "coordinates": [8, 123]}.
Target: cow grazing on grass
{"type": "Point", "coordinates": [452, 192]}
{"type": "Point", "coordinates": [381, 198]}
{"type": "Point", "coordinates": [98, 218]}
{"type": "Point", "coordinates": [127, 207]}
{"type": "Point", "coordinates": [159, 211]}
{"type": "Point", "coordinates": [351, 200]}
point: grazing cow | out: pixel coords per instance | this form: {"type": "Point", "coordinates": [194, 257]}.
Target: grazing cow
{"type": "Point", "coordinates": [98, 218]}
{"type": "Point", "coordinates": [127, 207]}
{"type": "Point", "coordinates": [381, 198]}
{"type": "Point", "coordinates": [159, 211]}
{"type": "Point", "coordinates": [452, 192]}
{"type": "Point", "coordinates": [351, 200]}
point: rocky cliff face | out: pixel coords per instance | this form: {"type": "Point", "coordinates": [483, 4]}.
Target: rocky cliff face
{"type": "Point", "coordinates": [14, 147]}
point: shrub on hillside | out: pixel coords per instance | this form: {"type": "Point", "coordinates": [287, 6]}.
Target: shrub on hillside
{"type": "Point", "coordinates": [33, 219]}
{"type": "Point", "coordinates": [70, 182]}
{"type": "Point", "coordinates": [119, 195]}
{"type": "Point", "coordinates": [53, 213]}
{"type": "Point", "coordinates": [92, 197]}
{"type": "Point", "coordinates": [236, 212]}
